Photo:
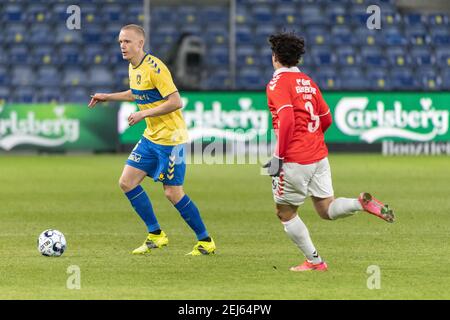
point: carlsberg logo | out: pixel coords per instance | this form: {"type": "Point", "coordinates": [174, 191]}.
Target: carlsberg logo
{"type": "Point", "coordinates": [16, 131]}
{"type": "Point", "coordinates": [238, 125]}
{"type": "Point", "coordinates": [425, 124]}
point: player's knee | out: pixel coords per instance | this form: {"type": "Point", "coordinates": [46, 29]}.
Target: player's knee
{"type": "Point", "coordinates": [173, 195]}
{"type": "Point", "coordinates": [125, 185]}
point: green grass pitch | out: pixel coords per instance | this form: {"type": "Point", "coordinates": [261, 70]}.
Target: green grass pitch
{"type": "Point", "coordinates": [79, 195]}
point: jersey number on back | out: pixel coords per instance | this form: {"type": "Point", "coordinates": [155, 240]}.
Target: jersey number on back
{"type": "Point", "coordinates": [315, 120]}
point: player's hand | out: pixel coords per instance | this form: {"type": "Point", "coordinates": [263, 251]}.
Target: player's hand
{"type": "Point", "coordinates": [98, 97]}
{"type": "Point", "coordinates": [274, 166]}
{"type": "Point", "coordinates": [135, 118]}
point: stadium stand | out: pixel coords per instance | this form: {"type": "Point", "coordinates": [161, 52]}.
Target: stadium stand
{"type": "Point", "coordinates": [410, 52]}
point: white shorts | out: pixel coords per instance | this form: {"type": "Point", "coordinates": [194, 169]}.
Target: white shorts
{"type": "Point", "coordinates": [298, 181]}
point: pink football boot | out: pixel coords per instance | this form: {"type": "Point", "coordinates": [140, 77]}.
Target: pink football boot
{"type": "Point", "coordinates": [308, 266]}
{"type": "Point", "coordinates": [376, 207]}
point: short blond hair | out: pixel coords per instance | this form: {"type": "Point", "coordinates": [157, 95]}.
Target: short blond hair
{"type": "Point", "coordinates": [138, 29]}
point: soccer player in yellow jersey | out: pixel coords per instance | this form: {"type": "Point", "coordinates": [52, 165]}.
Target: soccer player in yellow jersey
{"type": "Point", "coordinates": [160, 154]}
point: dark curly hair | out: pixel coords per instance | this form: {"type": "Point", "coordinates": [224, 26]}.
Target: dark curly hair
{"type": "Point", "coordinates": [287, 47]}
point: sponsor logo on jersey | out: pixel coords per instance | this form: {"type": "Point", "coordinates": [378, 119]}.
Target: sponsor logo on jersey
{"type": "Point", "coordinates": [136, 157]}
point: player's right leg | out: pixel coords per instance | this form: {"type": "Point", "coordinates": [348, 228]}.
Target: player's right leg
{"type": "Point", "coordinates": [289, 191]}
{"type": "Point", "coordinates": [140, 163]}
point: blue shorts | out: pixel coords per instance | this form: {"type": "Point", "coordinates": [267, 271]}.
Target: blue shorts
{"type": "Point", "coordinates": [166, 164]}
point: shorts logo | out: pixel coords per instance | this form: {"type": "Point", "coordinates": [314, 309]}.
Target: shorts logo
{"type": "Point", "coordinates": [170, 171]}
{"type": "Point", "coordinates": [161, 176]}
{"type": "Point", "coordinates": [135, 157]}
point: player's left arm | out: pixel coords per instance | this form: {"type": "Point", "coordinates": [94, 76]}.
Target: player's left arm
{"type": "Point", "coordinates": [324, 111]}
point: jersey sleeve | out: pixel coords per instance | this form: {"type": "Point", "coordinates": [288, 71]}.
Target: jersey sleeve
{"type": "Point", "coordinates": [162, 79]}
{"type": "Point", "coordinates": [279, 95]}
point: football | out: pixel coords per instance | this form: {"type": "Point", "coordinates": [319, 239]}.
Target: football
{"type": "Point", "coordinates": [51, 243]}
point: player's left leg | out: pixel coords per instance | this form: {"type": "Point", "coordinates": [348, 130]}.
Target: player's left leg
{"type": "Point", "coordinates": [191, 215]}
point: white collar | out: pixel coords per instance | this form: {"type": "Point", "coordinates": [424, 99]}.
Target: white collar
{"type": "Point", "coordinates": [285, 69]}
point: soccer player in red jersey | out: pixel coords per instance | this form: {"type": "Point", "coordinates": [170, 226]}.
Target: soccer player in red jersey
{"type": "Point", "coordinates": [299, 166]}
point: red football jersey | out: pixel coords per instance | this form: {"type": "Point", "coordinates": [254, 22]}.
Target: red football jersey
{"type": "Point", "coordinates": [304, 142]}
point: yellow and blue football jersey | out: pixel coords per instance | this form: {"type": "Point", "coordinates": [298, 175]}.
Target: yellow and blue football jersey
{"type": "Point", "coordinates": [150, 84]}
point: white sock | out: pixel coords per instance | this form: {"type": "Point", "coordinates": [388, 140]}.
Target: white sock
{"type": "Point", "coordinates": [343, 207]}
{"type": "Point", "coordinates": [297, 231]}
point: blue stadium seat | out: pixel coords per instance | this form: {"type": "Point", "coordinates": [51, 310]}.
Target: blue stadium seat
{"type": "Point", "coordinates": [49, 95]}
{"type": "Point", "coordinates": [39, 35]}
{"type": "Point", "coordinates": [243, 16]}
{"type": "Point", "coordinates": [438, 19]}
{"type": "Point", "coordinates": [5, 95]}
{"type": "Point", "coordinates": [414, 19]}
{"type": "Point", "coordinates": [219, 56]}
{"type": "Point", "coordinates": [165, 34]}
{"type": "Point", "coordinates": [393, 37]}
{"type": "Point", "coordinates": [251, 78]}
{"type": "Point", "coordinates": [16, 33]}
{"type": "Point", "coordinates": [287, 16]}
{"type": "Point", "coordinates": [74, 77]}
{"type": "Point", "coordinates": [163, 15]}
{"type": "Point", "coordinates": [64, 35]}
{"type": "Point", "coordinates": [77, 95]}
{"type": "Point", "coordinates": [216, 35]}
{"type": "Point", "coordinates": [14, 13]}
{"type": "Point", "coordinates": [70, 54]}
{"type": "Point", "coordinates": [121, 78]}
{"type": "Point", "coordinates": [48, 76]}
{"type": "Point", "coordinates": [4, 76]}
{"type": "Point", "coordinates": [366, 37]}
{"type": "Point", "coordinates": [417, 35]}
{"type": "Point", "coordinates": [247, 56]}
{"type": "Point", "coordinates": [390, 19]}
{"type": "Point", "coordinates": [113, 13]}
{"type": "Point", "coordinates": [398, 57]}
{"type": "Point", "coordinates": [312, 15]}
{"type": "Point", "coordinates": [373, 57]}
{"type": "Point", "coordinates": [359, 15]}
{"type": "Point", "coordinates": [318, 36]}
{"type": "Point", "coordinates": [440, 36]}
{"type": "Point", "coordinates": [323, 56]}
{"type": "Point", "coordinates": [188, 15]}
{"type": "Point", "coordinates": [352, 78]}
{"type": "Point", "coordinates": [22, 76]}
{"type": "Point", "coordinates": [19, 54]}
{"type": "Point", "coordinates": [326, 78]}
{"type": "Point", "coordinates": [214, 15]}
{"type": "Point", "coordinates": [93, 35]}
{"type": "Point", "coordinates": [342, 36]}
{"type": "Point", "coordinates": [218, 80]}
{"type": "Point", "coordinates": [265, 54]}
{"type": "Point", "coordinates": [262, 34]}
{"type": "Point", "coordinates": [91, 15]}
{"type": "Point", "coordinates": [403, 79]}
{"type": "Point", "coordinates": [422, 56]}
{"type": "Point", "coordinates": [378, 78]}
{"type": "Point", "coordinates": [59, 13]}
{"type": "Point", "coordinates": [38, 13]}
{"type": "Point", "coordinates": [136, 15]}
{"type": "Point", "coordinates": [192, 29]}
{"type": "Point", "coordinates": [244, 35]}
{"type": "Point", "coordinates": [429, 78]}
{"type": "Point", "coordinates": [44, 55]}
{"type": "Point", "coordinates": [262, 14]}
{"type": "Point", "coordinates": [347, 56]}
{"type": "Point", "coordinates": [99, 76]}
{"type": "Point", "coordinates": [95, 54]}
{"type": "Point", "coordinates": [445, 76]}
{"type": "Point", "coordinates": [24, 95]}
{"type": "Point", "coordinates": [338, 14]}
{"type": "Point", "coordinates": [443, 56]}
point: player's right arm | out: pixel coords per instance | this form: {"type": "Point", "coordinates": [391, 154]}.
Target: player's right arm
{"type": "Point", "coordinates": [116, 96]}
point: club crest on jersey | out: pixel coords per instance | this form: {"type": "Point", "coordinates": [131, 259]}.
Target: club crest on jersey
{"type": "Point", "coordinates": [135, 157]}
{"type": "Point", "coordinates": [138, 79]}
